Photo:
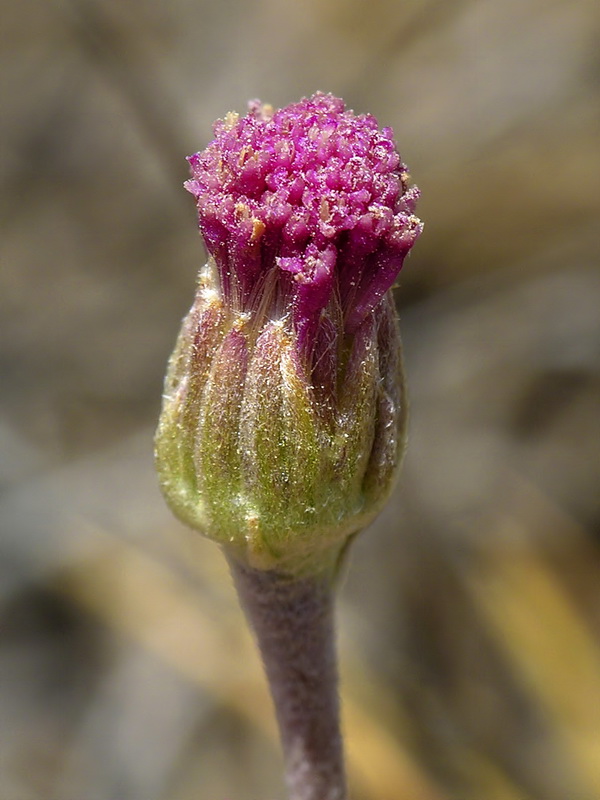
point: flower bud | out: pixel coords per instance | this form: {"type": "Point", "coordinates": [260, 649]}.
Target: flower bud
{"type": "Point", "coordinates": [284, 412]}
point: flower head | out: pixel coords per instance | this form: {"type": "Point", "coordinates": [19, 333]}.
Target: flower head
{"type": "Point", "coordinates": [314, 192]}
{"type": "Point", "coordinates": [283, 416]}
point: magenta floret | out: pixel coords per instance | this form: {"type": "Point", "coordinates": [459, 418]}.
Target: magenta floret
{"type": "Point", "coordinates": [314, 192]}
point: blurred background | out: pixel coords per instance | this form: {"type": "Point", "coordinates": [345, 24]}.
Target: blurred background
{"type": "Point", "coordinates": [469, 620]}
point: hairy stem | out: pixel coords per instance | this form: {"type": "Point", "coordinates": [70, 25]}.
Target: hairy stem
{"type": "Point", "coordinates": [293, 622]}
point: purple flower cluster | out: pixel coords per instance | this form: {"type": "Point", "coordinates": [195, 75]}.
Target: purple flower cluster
{"type": "Point", "coordinates": [309, 204]}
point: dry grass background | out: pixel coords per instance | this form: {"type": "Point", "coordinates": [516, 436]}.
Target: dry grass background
{"type": "Point", "coordinates": [470, 617]}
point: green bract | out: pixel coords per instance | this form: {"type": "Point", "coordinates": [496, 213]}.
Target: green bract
{"type": "Point", "coordinates": [258, 457]}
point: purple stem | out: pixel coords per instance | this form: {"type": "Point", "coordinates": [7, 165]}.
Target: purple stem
{"type": "Point", "coordinates": [293, 622]}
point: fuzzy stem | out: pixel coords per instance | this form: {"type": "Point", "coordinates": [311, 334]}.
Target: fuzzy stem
{"type": "Point", "coordinates": [293, 622]}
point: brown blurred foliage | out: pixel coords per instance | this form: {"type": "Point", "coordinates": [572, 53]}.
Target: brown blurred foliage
{"type": "Point", "coordinates": [470, 616]}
